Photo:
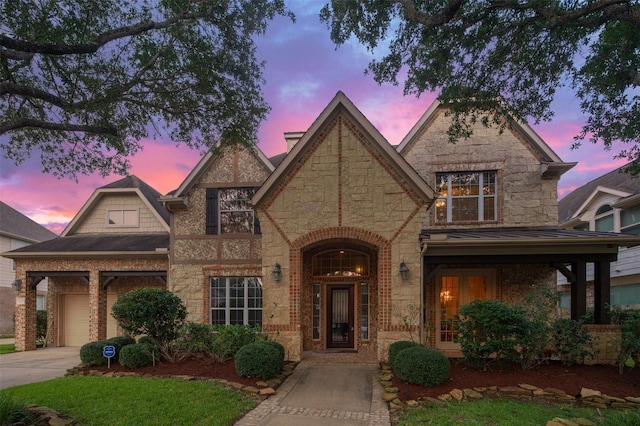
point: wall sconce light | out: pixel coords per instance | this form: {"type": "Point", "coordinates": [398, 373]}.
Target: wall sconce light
{"type": "Point", "coordinates": [404, 271]}
{"type": "Point", "coordinates": [276, 274]}
{"type": "Point", "coordinates": [16, 285]}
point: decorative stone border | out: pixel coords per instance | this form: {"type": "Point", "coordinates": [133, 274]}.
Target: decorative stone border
{"type": "Point", "coordinates": [263, 388]}
{"type": "Point", "coordinates": [587, 397]}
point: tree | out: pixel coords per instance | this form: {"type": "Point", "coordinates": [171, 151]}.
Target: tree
{"type": "Point", "coordinates": [480, 53]}
{"type": "Point", "coordinates": [82, 81]}
{"type": "Point", "coordinates": [154, 312]}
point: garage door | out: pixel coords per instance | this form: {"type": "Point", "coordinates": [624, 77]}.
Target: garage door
{"type": "Point", "coordinates": [76, 319]}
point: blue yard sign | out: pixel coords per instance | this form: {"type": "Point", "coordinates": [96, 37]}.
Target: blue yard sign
{"type": "Point", "coordinates": [109, 352]}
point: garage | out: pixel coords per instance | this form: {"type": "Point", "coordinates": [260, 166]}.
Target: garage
{"type": "Point", "coordinates": [74, 319]}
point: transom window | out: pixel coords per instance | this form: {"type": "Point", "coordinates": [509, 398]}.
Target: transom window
{"type": "Point", "coordinates": [236, 300]}
{"type": "Point", "coordinates": [345, 263]}
{"type": "Point", "coordinates": [229, 211]}
{"type": "Point", "coordinates": [122, 217]}
{"type": "Point", "coordinates": [466, 197]}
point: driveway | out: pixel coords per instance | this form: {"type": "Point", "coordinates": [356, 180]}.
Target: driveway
{"type": "Point", "coordinates": [36, 366]}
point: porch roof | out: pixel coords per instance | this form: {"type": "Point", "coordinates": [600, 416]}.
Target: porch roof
{"type": "Point", "coordinates": [519, 241]}
{"type": "Point", "coordinates": [96, 245]}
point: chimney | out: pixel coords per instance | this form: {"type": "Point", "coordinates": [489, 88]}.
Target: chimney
{"type": "Point", "coordinates": [292, 139]}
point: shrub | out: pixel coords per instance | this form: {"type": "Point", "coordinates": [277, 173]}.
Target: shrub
{"type": "Point", "coordinates": [158, 313]}
{"type": "Point", "coordinates": [41, 326]}
{"type": "Point", "coordinates": [195, 338]}
{"type": "Point", "coordinates": [138, 355]}
{"type": "Point", "coordinates": [119, 342]}
{"type": "Point", "coordinates": [571, 341]}
{"type": "Point", "coordinates": [230, 338]}
{"type": "Point", "coordinates": [13, 412]}
{"type": "Point", "coordinates": [422, 366]}
{"type": "Point", "coordinates": [91, 353]}
{"type": "Point", "coordinates": [490, 328]}
{"type": "Point", "coordinates": [397, 347]}
{"type": "Point", "coordinates": [146, 339]}
{"type": "Point", "coordinates": [258, 360]}
{"type": "Point", "coordinates": [629, 321]}
{"type": "Point", "coordinates": [277, 345]}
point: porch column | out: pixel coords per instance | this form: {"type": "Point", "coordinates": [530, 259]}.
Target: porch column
{"type": "Point", "coordinates": [579, 290]}
{"type": "Point", "coordinates": [25, 315]}
{"type": "Point", "coordinates": [602, 291]}
{"type": "Point", "coordinates": [97, 308]}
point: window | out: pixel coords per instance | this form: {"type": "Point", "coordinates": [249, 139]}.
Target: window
{"type": "Point", "coordinates": [604, 219]}
{"type": "Point", "coordinates": [346, 263]}
{"type": "Point", "coordinates": [229, 211]}
{"type": "Point", "coordinates": [317, 320]}
{"type": "Point", "coordinates": [364, 311]}
{"type": "Point", "coordinates": [40, 303]}
{"type": "Point", "coordinates": [236, 300]}
{"type": "Point", "coordinates": [466, 197]}
{"type": "Point", "coordinates": [122, 217]}
{"type": "Point", "coordinates": [457, 288]}
{"type": "Point", "coordinates": [630, 221]}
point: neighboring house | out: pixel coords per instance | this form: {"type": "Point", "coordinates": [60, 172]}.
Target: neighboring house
{"type": "Point", "coordinates": [16, 230]}
{"type": "Point", "coordinates": [349, 243]}
{"type": "Point", "coordinates": [610, 203]}
{"type": "Point", "coordinates": [117, 242]}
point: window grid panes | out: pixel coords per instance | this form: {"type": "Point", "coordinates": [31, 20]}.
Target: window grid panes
{"type": "Point", "coordinates": [364, 311]}
{"type": "Point", "coordinates": [122, 217]}
{"type": "Point", "coordinates": [466, 197]}
{"type": "Point", "coordinates": [317, 300]}
{"type": "Point", "coordinates": [340, 263]}
{"type": "Point", "coordinates": [630, 221]}
{"type": "Point", "coordinates": [236, 214]}
{"type": "Point", "coordinates": [236, 300]}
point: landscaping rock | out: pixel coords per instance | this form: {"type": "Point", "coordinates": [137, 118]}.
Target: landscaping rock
{"type": "Point", "coordinates": [586, 392]}
{"type": "Point", "coordinates": [267, 391]}
{"type": "Point", "coordinates": [472, 394]}
{"type": "Point", "coordinates": [457, 394]}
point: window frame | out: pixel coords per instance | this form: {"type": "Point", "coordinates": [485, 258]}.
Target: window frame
{"type": "Point", "coordinates": [214, 212]}
{"type": "Point", "coordinates": [136, 210]}
{"type": "Point", "coordinates": [228, 308]}
{"type": "Point", "coordinates": [480, 197]}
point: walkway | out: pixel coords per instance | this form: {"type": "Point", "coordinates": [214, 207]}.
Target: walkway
{"type": "Point", "coordinates": [325, 389]}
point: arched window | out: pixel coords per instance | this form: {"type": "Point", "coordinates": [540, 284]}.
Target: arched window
{"type": "Point", "coordinates": [340, 263]}
{"type": "Point", "coordinates": [604, 219]}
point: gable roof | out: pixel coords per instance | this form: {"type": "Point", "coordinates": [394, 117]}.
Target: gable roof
{"type": "Point", "coordinates": [340, 103]}
{"type": "Point", "coordinates": [14, 224]}
{"type": "Point", "coordinates": [616, 182]}
{"type": "Point", "coordinates": [552, 165]}
{"type": "Point", "coordinates": [130, 184]}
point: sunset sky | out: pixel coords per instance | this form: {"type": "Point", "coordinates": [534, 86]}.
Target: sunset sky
{"type": "Point", "coordinates": [303, 72]}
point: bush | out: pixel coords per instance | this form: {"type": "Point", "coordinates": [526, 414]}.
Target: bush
{"type": "Point", "coordinates": [571, 341]}
{"type": "Point", "coordinates": [138, 355]}
{"type": "Point", "coordinates": [492, 329]}
{"type": "Point", "coordinates": [258, 360]}
{"type": "Point", "coordinates": [91, 353]}
{"type": "Point", "coordinates": [397, 347]}
{"type": "Point", "coordinates": [195, 338]}
{"type": "Point", "coordinates": [146, 339]}
{"type": "Point", "coordinates": [629, 321]}
{"type": "Point", "coordinates": [156, 312]}
{"type": "Point", "coordinates": [230, 338]}
{"type": "Point", "coordinates": [41, 326]}
{"type": "Point", "coordinates": [120, 342]}
{"type": "Point", "coordinates": [277, 345]}
{"type": "Point", "coordinates": [422, 366]}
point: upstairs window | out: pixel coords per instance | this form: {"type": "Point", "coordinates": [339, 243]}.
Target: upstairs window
{"type": "Point", "coordinates": [123, 217]}
{"type": "Point", "coordinates": [604, 219]}
{"type": "Point", "coordinates": [466, 197]}
{"type": "Point", "coordinates": [229, 211]}
{"type": "Point", "coordinates": [630, 221]}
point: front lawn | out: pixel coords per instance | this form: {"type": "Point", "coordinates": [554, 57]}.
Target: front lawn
{"type": "Point", "coordinates": [7, 348]}
{"type": "Point", "coordinates": [132, 400]}
{"type": "Point", "coordinates": [503, 412]}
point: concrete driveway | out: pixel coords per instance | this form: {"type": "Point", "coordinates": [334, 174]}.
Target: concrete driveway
{"type": "Point", "coordinates": [36, 366]}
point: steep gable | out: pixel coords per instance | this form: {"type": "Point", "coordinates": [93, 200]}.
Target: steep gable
{"type": "Point", "coordinates": [14, 224]}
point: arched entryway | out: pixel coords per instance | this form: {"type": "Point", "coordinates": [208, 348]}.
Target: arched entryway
{"type": "Point", "coordinates": [339, 301]}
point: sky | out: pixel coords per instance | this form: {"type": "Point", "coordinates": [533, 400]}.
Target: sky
{"type": "Point", "coordinates": [303, 72]}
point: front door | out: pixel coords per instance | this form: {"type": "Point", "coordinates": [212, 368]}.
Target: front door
{"type": "Point", "coordinates": [340, 324]}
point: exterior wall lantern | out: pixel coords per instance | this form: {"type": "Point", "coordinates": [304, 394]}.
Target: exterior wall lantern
{"type": "Point", "coordinates": [276, 274]}
{"type": "Point", "coordinates": [404, 271]}
{"type": "Point", "coordinates": [16, 285]}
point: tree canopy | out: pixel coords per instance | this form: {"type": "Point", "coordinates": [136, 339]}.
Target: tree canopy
{"type": "Point", "coordinates": [82, 81]}
{"type": "Point", "coordinates": [478, 54]}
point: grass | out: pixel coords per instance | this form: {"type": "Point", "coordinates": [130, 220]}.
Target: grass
{"type": "Point", "coordinates": [92, 400]}
{"type": "Point", "coordinates": [504, 412]}
{"type": "Point", "coordinates": [7, 348]}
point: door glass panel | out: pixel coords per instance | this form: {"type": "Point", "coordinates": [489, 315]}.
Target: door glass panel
{"type": "Point", "coordinates": [340, 315]}
{"type": "Point", "coordinates": [316, 311]}
{"type": "Point", "coordinates": [476, 288]}
{"type": "Point", "coordinates": [449, 302]}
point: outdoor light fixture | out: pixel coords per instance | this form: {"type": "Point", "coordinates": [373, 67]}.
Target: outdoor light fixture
{"type": "Point", "coordinates": [16, 285]}
{"type": "Point", "coordinates": [404, 271]}
{"type": "Point", "coordinates": [276, 274]}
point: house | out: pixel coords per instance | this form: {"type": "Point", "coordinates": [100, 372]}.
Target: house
{"type": "Point", "coordinates": [609, 203]}
{"type": "Point", "coordinates": [16, 230]}
{"type": "Point", "coordinates": [346, 242]}
{"type": "Point", "coordinates": [117, 242]}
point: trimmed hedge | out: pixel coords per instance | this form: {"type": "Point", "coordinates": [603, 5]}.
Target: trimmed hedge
{"type": "Point", "coordinates": [91, 353]}
{"type": "Point", "coordinates": [422, 366]}
{"type": "Point", "coordinates": [397, 347]}
{"type": "Point", "coordinates": [137, 355]}
{"type": "Point", "coordinates": [258, 359]}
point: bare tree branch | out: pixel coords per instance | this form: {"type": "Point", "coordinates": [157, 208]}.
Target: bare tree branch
{"type": "Point", "coordinates": [19, 123]}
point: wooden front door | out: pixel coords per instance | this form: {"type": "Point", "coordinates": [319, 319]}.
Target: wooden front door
{"type": "Point", "coordinates": [340, 316]}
